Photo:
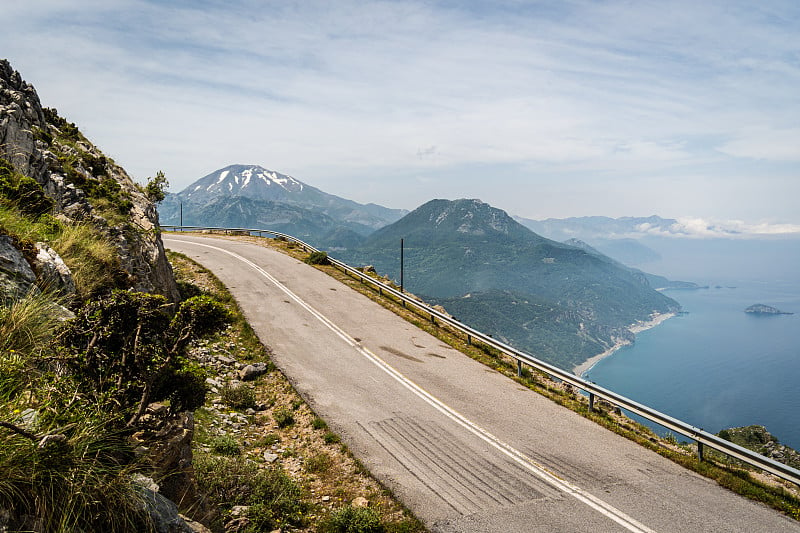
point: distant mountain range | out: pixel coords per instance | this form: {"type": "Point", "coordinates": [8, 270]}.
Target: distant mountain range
{"type": "Point", "coordinates": [592, 228]}
{"type": "Point", "coordinates": [620, 238]}
{"type": "Point", "coordinates": [252, 196]}
{"type": "Point", "coordinates": [561, 302]}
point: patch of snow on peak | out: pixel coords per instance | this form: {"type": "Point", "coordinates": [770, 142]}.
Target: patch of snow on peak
{"type": "Point", "coordinates": [223, 175]}
{"type": "Point", "coordinates": [230, 186]}
{"type": "Point", "coordinates": [246, 181]}
{"type": "Point", "coordinates": [198, 187]}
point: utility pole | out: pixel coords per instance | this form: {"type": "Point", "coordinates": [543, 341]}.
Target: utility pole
{"type": "Point", "coordinates": [181, 216]}
{"type": "Point", "coordinates": [401, 265]}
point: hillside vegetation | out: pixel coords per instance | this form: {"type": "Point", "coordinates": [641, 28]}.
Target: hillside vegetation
{"type": "Point", "coordinates": [559, 302]}
{"type": "Point", "coordinates": [74, 391]}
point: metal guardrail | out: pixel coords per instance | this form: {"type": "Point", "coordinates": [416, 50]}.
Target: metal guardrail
{"type": "Point", "coordinates": [703, 438]}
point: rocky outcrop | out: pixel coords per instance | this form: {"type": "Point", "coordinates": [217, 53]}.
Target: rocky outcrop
{"type": "Point", "coordinates": [17, 278]}
{"type": "Point", "coordinates": [20, 111]}
{"type": "Point", "coordinates": [32, 139]}
{"type": "Point", "coordinates": [758, 439]}
{"type": "Point", "coordinates": [166, 440]}
{"type": "Point", "coordinates": [52, 273]}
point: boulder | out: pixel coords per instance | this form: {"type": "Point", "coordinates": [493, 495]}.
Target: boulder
{"type": "Point", "coordinates": [17, 278]}
{"type": "Point", "coordinates": [52, 273]}
{"type": "Point", "coordinates": [251, 372]}
{"type": "Point", "coordinates": [360, 502]}
{"type": "Point", "coordinates": [163, 513]}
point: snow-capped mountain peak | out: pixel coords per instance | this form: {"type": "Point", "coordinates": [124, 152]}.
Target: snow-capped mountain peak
{"type": "Point", "coordinates": [251, 181]}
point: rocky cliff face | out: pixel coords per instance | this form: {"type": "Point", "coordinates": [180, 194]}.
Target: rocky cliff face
{"type": "Point", "coordinates": [86, 186]}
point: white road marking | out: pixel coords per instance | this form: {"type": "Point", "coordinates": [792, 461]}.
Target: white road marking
{"type": "Point", "coordinates": [517, 456]}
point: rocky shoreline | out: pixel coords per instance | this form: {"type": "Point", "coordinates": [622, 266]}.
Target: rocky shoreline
{"type": "Point", "coordinates": [638, 327]}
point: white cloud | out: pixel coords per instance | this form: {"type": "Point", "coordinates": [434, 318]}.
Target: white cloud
{"type": "Point", "coordinates": [693, 227]}
{"type": "Point", "coordinates": [633, 95]}
{"type": "Point", "coordinates": [766, 144]}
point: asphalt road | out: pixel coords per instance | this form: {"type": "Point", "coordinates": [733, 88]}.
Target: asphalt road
{"type": "Point", "coordinates": [464, 447]}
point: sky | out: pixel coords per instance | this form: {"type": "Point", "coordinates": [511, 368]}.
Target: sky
{"type": "Point", "coordinates": [544, 109]}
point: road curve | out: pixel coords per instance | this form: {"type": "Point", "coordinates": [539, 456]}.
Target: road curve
{"type": "Point", "coordinates": [464, 447]}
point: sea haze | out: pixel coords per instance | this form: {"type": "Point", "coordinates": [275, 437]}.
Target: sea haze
{"type": "Point", "coordinates": [718, 367]}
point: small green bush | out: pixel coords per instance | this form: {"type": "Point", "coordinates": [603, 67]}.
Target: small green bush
{"type": "Point", "coordinates": [188, 290]}
{"type": "Point", "coordinates": [23, 192]}
{"type": "Point", "coordinates": [156, 186]}
{"type": "Point", "coordinates": [318, 463]}
{"type": "Point", "coordinates": [318, 423]}
{"type": "Point", "coordinates": [354, 520]}
{"type": "Point", "coordinates": [283, 417]}
{"type": "Point", "coordinates": [268, 440]}
{"type": "Point", "coordinates": [331, 438]}
{"type": "Point", "coordinates": [275, 499]}
{"type": "Point", "coordinates": [225, 445]}
{"type": "Point", "coordinates": [238, 397]}
{"type": "Point", "coordinates": [317, 258]}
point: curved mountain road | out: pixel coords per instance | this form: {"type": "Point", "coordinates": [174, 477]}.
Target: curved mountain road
{"type": "Point", "coordinates": [464, 447]}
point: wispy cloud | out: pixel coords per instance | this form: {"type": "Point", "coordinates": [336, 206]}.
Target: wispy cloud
{"type": "Point", "coordinates": [571, 98]}
{"type": "Point", "coordinates": [704, 228]}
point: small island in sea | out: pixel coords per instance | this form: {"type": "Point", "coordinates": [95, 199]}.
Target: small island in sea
{"type": "Point", "coordinates": [761, 309]}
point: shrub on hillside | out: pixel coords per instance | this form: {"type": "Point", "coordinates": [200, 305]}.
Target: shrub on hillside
{"type": "Point", "coordinates": [354, 520]}
{"type": "Point", "coordinates": [23, 192]}
{"type": "Point", "coordinates": [317, 258]}
{"type": "Point", "coordinates": [274, 499]}
{"type": "Point", "coordinates": [225, 445]}
{"type": "Point", "coordinates": [283, 417]}
{"type": "Point", "coordinates": [238, 396]}
{"type": "Point", "coordinates": [128, 350]}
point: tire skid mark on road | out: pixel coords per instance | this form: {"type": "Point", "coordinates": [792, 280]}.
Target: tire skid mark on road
{"type": "Point", "coordinates": [504, 484]}
{"type": "Point", "coordinates": [520, 458]}
{"type": "Point", "coordinates": [433, 478]}
{"type": "Point", "coordinates": [489, 484]}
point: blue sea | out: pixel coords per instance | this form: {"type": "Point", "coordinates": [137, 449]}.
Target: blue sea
{"type": "Point", "coordinates": [716, 366]}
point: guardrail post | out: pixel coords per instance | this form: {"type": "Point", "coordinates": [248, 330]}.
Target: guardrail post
{"type": "Point", "coordinates": [469, 339]}
{"type": "Point", "coordinates": [433, 318]}
{"type": "Point", "coordinates": [700, 451]}
{"type": "Point", "coordinates": [519, 368]}
{"type": "Point", "coordinates": [591, 402]}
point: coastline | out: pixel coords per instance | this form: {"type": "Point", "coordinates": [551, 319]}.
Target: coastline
{"type": "Point", "coordinates": [638, 327]}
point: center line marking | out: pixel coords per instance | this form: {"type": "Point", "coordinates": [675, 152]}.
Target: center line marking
{"type": "Point", "coordinates": [517, 456]}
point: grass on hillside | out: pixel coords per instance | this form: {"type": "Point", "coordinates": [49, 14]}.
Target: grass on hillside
{"type": "Point", "coordinates": [91, 257]}
{"type": "Point", "coordinates": [59, 463]}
